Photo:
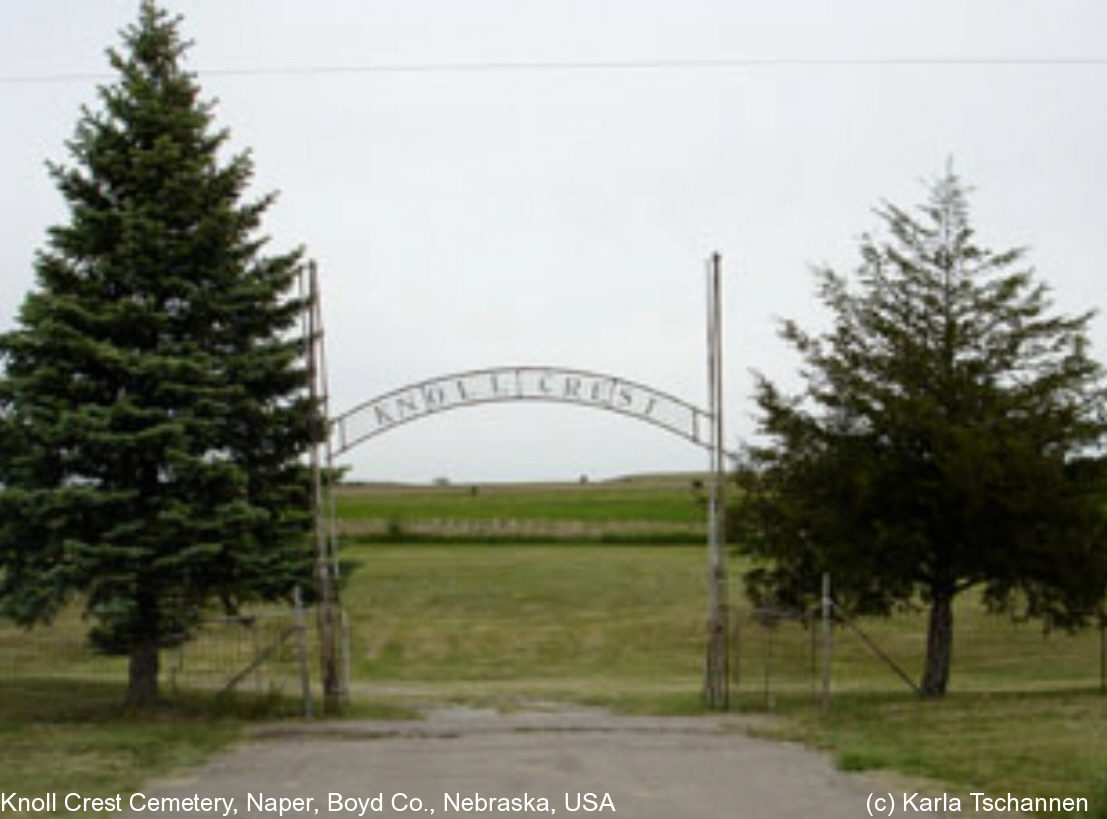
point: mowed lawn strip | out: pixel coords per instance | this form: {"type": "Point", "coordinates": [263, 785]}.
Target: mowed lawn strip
{"type": "Point", "coordinates": [564, 615]}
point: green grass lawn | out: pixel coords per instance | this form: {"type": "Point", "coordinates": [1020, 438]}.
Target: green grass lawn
{"type": "Point", "coordinates": [603, 623]}
{"type": "Point", "coordinates": [660, 500]}
{"type": "Point", "coordinates": [1045, 743]}
{"type": "Point", "coordinates": [68, 734]}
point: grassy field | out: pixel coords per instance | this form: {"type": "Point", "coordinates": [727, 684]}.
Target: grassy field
{"type": "Point", "coordinates": [618, 625]}
{"type": "Point", "coordinates": [1045, 742]}
{"type": "Point", "coordinates": [612, 624]}
{"type": "Point", "coordinates": [660, 499]}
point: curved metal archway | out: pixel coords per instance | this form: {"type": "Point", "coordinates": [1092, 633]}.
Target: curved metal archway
{"type": "Point", "coordinates": [520, 383]}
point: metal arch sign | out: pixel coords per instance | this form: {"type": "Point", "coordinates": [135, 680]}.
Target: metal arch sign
{"type": "Point", "coordinates": [501, 384]}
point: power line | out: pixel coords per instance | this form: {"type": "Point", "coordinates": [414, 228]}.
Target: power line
{"type": "Point", "coordinates": [721, 64]}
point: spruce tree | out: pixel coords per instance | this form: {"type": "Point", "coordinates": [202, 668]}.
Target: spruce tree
{"type": "Point", "coordinates": [943, 440]}
{"type": "Point", "coordinates": [153, 409]}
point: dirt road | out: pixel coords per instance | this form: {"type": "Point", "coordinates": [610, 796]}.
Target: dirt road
{"type": "Point", "coordinates": [481, 763]}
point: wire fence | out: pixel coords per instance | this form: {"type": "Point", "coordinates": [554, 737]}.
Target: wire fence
{"type": "Point", "coordinates": [777, 653]}
{"type": "Point", "coordinates": [270, 651]}
{"type": "Point", "coordinates": [780, 654]}
{"type": "Point", "coordinates": [263, 652]}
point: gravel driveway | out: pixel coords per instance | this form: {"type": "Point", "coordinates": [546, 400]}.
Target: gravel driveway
{"type": "Point", "coordinates": [480, 763]}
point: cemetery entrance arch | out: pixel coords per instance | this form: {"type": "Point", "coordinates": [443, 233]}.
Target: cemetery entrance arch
{"type": "Point", "coordinates": [387, 411]}
{"type": "Point", "coordinates": [504, 384]}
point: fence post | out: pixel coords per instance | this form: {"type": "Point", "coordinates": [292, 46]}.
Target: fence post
{"type": "Point", "coordinates": [345, 621]}
{"type": "Point", "coordinates": [301, 649]}
{"type": "Point", "coordinates": [827, 639]}
{"type": "Point", "coordinates": [770, 627]}
{"type": "Point", "coordinates": [176, 663]}
{"type": "Point", "coordinates": [255, 645]}
{"type": "Point", "coordinates": [813, 649]}
{"type": "Point", "coordinates": [735, 654]}
{"type": "Point", "coordinates": [1103, 654]}
{"type": "Point", "coordinates": [716, 684]}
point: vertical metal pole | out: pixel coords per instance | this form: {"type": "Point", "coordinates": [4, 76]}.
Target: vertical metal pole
{"type": "Point", "coordinates": [339, 624]}
{"type": "Point", "coordinates": [255, 647]}
{"type": "Point", "coordinates": [301, 650]}
{"type": "Point", "coordinates": [768, 631]}
{"type": "Point", "coordinates": [720, 484]}
{"type": "Point", "coordinates": [716, 672]}
{"type": "Point", "coordinates": [827, 604]}
{"type": "Point", "coordinates": [710, 683]}
{"type": "Point", "coordinates": [813, 658]}
{"type": "Point", "coordinates": [735, 655]}
{"type": "Point", "coordinates": [322, 591]}
{"type": "Point", "coordinates": [344, 655]}
{"type": "Point", "coordinates": [327, 592]}
{"type": "Point", "coordinates": [1103, 653]}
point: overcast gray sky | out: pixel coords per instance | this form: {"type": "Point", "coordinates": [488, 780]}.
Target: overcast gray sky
{"type": "Point", "coordinates": [465, 217]}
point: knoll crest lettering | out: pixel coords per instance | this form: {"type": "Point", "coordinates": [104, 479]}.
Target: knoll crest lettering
{"type": "Point", "coordinates": [607, 392]}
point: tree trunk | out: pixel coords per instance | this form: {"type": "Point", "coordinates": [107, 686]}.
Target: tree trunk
{"type": "Point", "coordinates": [142, 683]}
{"type": "Point", "coordinates": [939, 643]}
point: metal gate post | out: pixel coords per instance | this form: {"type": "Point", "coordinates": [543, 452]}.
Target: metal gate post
{"type": "Point", "coordinates": [716, 685]}
{"type": "Point", "coordinates": [331, 643]}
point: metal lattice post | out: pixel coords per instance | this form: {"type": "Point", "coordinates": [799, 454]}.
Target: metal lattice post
{"type": "Point", "coordinates": [326, 563]}
{"type": "Point", "coordinates": [302, 650]}
{"type": "Point", "coordinates": [716, 671]}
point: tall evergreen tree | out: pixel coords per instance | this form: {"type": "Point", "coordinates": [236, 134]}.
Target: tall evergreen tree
{"type": "Point", "coordinates": [152, 409]}
{"type": "Point", "coordinates": [940, 442]}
